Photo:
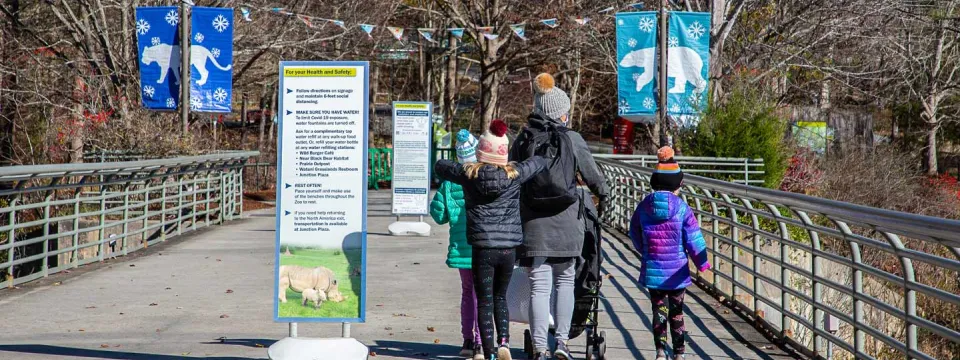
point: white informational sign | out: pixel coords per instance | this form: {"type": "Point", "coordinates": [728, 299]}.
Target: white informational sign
{"type": "Point", "coordinates": [411, 157]}
{"type": "Point", "coordinates": [321, 191]}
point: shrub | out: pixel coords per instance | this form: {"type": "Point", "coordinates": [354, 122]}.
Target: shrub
{"type": "Point", "coordinates": [743, 126]}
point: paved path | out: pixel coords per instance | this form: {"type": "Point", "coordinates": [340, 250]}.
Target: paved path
{"type": "Point", "coordinates": [172, 302]}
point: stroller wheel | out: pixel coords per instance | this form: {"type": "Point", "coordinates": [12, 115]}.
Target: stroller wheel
{"type": "Point", "coordinates": [528, 344]}
{"type": "Point", "coordinates": [590, 349]}
{"type": "Point", "coordinates": [602, 348]}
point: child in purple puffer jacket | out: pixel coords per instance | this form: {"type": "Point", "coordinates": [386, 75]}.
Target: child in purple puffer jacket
{"type": "Point", "coordinates": [666, 232]}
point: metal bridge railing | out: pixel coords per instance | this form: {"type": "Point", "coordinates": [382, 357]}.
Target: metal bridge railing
{"type": "Point", "coordinates": [828, 278]}
{"type": "Point", "coordinates": [738, 170]}
{"type": "Point", "coordinates": [58, 217]}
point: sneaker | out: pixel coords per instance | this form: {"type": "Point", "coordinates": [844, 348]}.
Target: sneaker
{"type": "Point", "coordinates": [467, 349]}
{"type": "Point", "coordinates": [503, 352]}
{"type": "Point", "coordinates": [661, 355]}
{"type": "Point", "coordinates": [477, 352]}
{"type": "Point", "coordinates": [562, 352]}
{"type": "Point", "coordinates": [541, 356]}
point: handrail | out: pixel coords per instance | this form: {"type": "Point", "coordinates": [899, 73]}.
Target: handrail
{"type": "Point", "coordinates": [797, 264]}
{"type": "Point", "coordinates": [62, 216]}
{"type": "Point", "coordinates": [738, 170]}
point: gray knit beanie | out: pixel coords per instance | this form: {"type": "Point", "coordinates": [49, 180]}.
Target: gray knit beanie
{"type": "Point", "coordinates": [549, 101]}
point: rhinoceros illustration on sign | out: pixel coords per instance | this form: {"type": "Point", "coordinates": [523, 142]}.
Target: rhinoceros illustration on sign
{"type": "Point", "coordinates": [685, 66]}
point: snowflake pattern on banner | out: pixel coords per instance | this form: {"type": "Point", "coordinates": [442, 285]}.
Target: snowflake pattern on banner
{"type": "Point", "coordinates": [149, 91]}
{"type": "Point", "coordinates": [196, 103]}
{"type": "Point", "coordinates": [624, 106]}
{"type": "Point", "coordinates": [673, 42]}
{"type": "Point", "coordinates": [220, 95]}
{"type": "Point", "coordinates": [648, 103]}
{"type": "Point", "coordinates": [220, 23]}
{"type": "Point", "coordinates": [647, 24]}
{"type": "Point", "coordinates": [215, 52]}
{"type": "Point", "coordinates": [155, 41]}
{"type": "Point", "coordinates": [696, 31]}
{"type": "Point", "coordinates": [620, 22]}
{"type": "Point", "coordinates": [173, 18]}
{"type": "Point", "coordinates": [632, 42]}
{"type": "Point", "coordinates": [675, 108]}
{"type": "Point", "coordinates": [198, 38]}
{"type": "Point", "coordinates": [142, 27]}
{"type": "Point", "coordinates": [171, 103]}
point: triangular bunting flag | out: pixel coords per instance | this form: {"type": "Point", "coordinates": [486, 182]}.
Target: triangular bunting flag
{"type": "Point", "coordinates": [609, 9]}
{"type": "Point", "coordinates": [582, 20]}
{"type": "Point", "coordinates": [306, 20]}
{"type": "Point", "coordinates": [552, 23]}
{"type": "Point", "coordinates": [487, 32]}
{"type": "Point", "coordinates": [339, 23]}
{"type": "Point", "coordinates": [458, 32]}
{"type": "Point", "coordinates": [367, 28]}
{"type": "Point", "coordinates": [397, 32]}
{"type": "Point", "coordinates": [426, 33]}
{"type": "Point", "coordinates": [638, 6]}
{"type": "Point", "coordinates": [246, 14]}
{"type": "Point", "coordinates": [277, 10]}
{"type": "Point", "coordinates": [518, 29]}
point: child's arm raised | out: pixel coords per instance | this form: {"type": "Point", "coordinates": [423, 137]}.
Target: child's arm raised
{"type": "Point", "coordinates": [438, 207]}
{"type": "Point", "coordinates": [530, 168]}
{"type": "Point", "coordinates": [450, 170]}
{"type": "Point", "coordinates": [693, 241]}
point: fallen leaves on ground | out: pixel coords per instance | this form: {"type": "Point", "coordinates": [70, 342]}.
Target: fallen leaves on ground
{"type": "Point", "coordinates": [167, 289]}
{"type": "Point", "coordinates": [90, 307]}
{"type": "Point", "coordinates": [229, 291]}
{"type": "Point", "coordinates": [436, 341]}
{"type": "Point", "coordinates": [388, 328]}
{"type": "Point", "coordinates": [133, 265]}
{"type": "Point", "coordinates": [373, 354]}
{"type": "Point", "coordinates": [104, 346]}
{"type": "Point", "coordinates": [153, 304]}
{"type": "Point", "coordinates": [218, 260]}
{"type": "Point", "coordinates": [400, 315]}
{"type": "Point", "coordinates": [224, 316]}
{"type": "Point", "coordinates": [81, 330]}
{"type": "Point", "coordinates": [57, 283]}
{"type": "Point", "coordinates": [431, 329]}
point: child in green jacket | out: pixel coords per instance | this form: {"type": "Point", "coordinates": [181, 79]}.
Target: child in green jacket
{"type": "Point", "coordinates": [448, 207]}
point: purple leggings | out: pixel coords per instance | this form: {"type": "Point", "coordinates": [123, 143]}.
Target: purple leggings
{"type": "Point", "coordinates": [468, 308]}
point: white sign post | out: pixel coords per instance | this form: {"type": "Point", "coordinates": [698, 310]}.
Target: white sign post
{"type": "Point", "coordinates": [322, 191]}
{"type": "Point", "coordinates": [412, 136]}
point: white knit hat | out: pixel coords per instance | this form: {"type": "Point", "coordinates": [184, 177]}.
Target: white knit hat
{"type": "Point", "coordinates": [494, 145]}
{"type": "Point", "coordinates": [549, 101]}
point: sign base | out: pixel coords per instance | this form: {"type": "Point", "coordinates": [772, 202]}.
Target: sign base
{"type": "Point", "coordinates": [409, 228]}
{"type": "Point", "coordinates": [310, 348]}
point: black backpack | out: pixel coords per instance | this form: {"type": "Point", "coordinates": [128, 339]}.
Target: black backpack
{"type": "Point", "coordinates": [556, 187]}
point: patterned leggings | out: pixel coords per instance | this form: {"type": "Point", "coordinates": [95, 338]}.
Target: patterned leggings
{"type": "Point", "coordinates": [668, 304]}
{"type": "Point", "coordinates": [492, 269]}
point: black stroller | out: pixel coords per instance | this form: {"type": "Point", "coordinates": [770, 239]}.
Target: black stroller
{"type": "Point", "coordinates": [587, 292]}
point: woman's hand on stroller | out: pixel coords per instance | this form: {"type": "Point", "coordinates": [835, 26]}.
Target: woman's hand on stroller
{"type": "Point", "coordinates": [602, 206]}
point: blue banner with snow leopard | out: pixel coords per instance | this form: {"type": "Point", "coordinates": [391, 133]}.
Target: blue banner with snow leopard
{"type": "Point", "coordinates": [159, 50]}
{"type": "Point", "coordinates": [688, 63]}
{"type": "Point", "coordinates": [637, 70]}
{"type": "Point", "coordinates": [211, 59]}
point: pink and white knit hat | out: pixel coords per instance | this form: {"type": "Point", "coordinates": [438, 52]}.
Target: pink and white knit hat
{"type": "Point", "coordinates": [494, 145]}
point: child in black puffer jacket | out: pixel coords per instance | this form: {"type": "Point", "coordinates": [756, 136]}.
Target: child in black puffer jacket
{"type": "Point", "coordinates": [491, 189]}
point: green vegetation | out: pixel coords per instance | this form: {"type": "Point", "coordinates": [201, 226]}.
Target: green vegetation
{"type": "Point", "coordinates": [743, 126]}
{"type": "Point", "coordinates": [340, 263]}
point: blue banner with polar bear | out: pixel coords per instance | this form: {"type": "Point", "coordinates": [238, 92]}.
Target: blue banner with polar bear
{"type": "Point", "coordinates": [688, 62]}
{"type": "Point", "coordinates": [158, 48]}
{"type": "Point", "coordinates": [211, 59]}
{"type": "Point", "coordinates": [637, 70]}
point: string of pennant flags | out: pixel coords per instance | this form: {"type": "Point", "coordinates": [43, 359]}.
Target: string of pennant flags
{"type": "Point", "coordinates": [428, 34]}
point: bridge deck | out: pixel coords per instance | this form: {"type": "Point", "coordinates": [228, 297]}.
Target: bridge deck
{"type": "Point", "coordinates": [172, 302]}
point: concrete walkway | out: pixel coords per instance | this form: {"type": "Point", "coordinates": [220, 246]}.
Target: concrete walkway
{"type": "Point", "coordinates": [210, 295]}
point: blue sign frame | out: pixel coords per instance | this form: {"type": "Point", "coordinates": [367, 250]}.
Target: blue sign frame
{"type": "Point", "coordinates": [366, 159]}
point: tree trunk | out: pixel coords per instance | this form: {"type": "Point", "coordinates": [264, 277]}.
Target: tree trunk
{"type": "Point", "coordinates": [373, 122]}
{"type": "Point", "coordinates": [263, 114]}
{"type": "Point", "coordinates": [451, 87]}
{"type": "Point", "coordinates": [489, 84]}
{"type": "Point", "coordinates": [931, 151]}
{"type": "Point", "coordinates": [76, 142]}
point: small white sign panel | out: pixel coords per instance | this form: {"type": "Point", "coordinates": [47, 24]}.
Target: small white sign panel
{"type": "Point", "coordinates": [411, 157]}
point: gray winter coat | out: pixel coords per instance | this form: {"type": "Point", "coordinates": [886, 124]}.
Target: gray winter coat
{"type": "Point", "coordinates": [559, 233]}
{"type": "Point", "coordinates": [492, 201]}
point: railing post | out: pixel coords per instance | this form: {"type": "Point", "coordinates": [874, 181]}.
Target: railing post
{"type": "Point", "coordinates": [207, 194]}
{"type": "Point", "coordinates": [163, 209]}
{"type": "Point", "coordinates": [223, 197]}
{"type": "Point", "coordinates": [146, 211]}
{"type": "Point", "coordinates": [193, 203]}
{"type": "Point", "coordinates": [817, 287]}
{"type": "Point", "coordinates": [180, 204]}
{"type": "Point", "coordinates": [75, 253]}
{"type": "Point", "coordinates": [240, 192]}
{"type": "Point", "coordinates": [102, 248]}
{"type": "Point", "coordinates": [12, 237]}
{"type": "Point", "coordinates": [126, 218]}
{"type": "Point", "coordinates": [44, 263]}
{"type": "Point", "coordinates": [746, 171]}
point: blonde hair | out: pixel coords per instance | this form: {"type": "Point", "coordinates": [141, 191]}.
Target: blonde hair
{"type": "Point", "coordinates": [472, 169]}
